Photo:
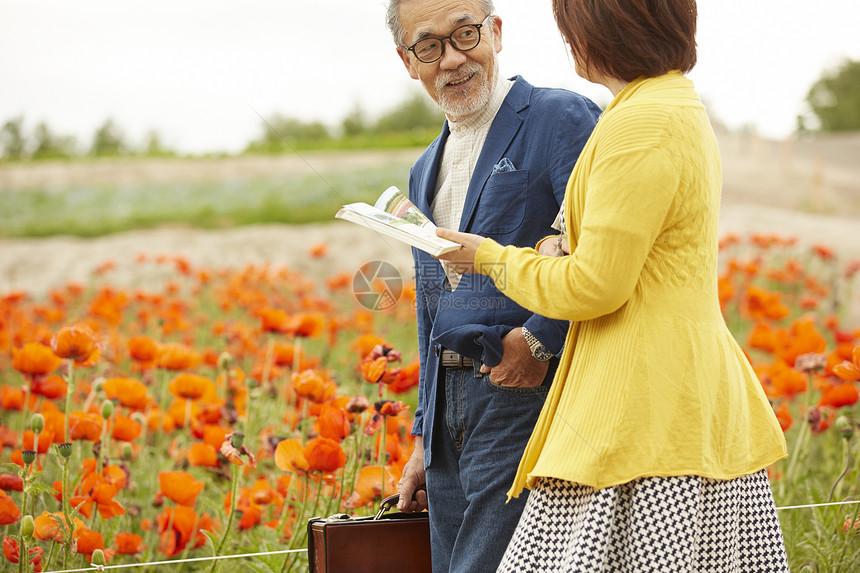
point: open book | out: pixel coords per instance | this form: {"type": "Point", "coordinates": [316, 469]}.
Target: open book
{"type": "Point", "coordinates": [394, 215]}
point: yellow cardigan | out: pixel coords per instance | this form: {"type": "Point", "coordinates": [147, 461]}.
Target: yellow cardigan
{"type": "Point", "coordinates": [651, 381]}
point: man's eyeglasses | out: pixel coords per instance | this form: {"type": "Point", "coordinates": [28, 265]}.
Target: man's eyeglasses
{"type": "Point", "coordinates": [464, 38]}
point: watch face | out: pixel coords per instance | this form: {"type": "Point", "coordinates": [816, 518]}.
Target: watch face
{"type": "Point", "coordinates": [542, 354]}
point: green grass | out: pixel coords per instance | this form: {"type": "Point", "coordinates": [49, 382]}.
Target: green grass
{"type": "Point", "coordinates": [93, 211]}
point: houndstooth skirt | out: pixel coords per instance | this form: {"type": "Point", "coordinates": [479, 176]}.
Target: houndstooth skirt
{"type": "Point", "coordinates": [678, 524]}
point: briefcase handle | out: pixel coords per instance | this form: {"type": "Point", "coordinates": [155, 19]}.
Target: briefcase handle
{"type": "Point", "coordinates": [387, 504]}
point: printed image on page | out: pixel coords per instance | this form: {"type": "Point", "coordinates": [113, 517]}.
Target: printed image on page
{"type": "Point", "coordinates": [396, 203]}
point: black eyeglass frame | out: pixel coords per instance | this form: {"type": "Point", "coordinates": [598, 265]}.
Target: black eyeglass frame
{"type": "Point", "coordinates": [450, 39]}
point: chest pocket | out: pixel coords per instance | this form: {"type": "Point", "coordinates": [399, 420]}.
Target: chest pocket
{"type": "Point", "coordinates": [502, 204]}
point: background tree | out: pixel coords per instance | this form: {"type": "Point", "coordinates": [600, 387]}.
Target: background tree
{"type": "Point", "coordinates": [835, 99]}
{"type": "Point", "coordinates": [355, 123]}
{"type": "Point", "coordinates": [12, 140]}
{"type": "Point", "coordinates": [108, 140]}
{"type": "Point", "coordinates": [280, 133]}
{"type": "Point", "coordinates": [417, 112]}
{"type": "Point", "coordinates": [48, 145]}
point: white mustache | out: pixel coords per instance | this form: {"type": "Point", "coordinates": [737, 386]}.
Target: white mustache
{"type": "Point", "coordinates": [457, 75]}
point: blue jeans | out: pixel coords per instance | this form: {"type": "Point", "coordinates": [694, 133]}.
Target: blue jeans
{"type": "Point", "coordinates": [475, 459]}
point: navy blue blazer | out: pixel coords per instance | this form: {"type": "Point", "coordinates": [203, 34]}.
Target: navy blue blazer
{"type": "Point", "coordinates": [541, 131]}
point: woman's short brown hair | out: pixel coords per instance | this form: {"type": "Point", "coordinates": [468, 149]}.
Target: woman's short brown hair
{"type": "Point", "coordinates": [626, 39]}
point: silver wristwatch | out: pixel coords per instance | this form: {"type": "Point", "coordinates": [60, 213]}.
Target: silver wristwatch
{"type": "Point", "coordinates": [539, 351]}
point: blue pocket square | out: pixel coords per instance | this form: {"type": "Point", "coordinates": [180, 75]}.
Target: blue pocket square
{"type": "Point", "coordinates": [503, 166]}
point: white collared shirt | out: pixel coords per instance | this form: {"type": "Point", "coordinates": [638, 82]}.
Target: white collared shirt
{"type": "Point", "coordinates": [459, 157]}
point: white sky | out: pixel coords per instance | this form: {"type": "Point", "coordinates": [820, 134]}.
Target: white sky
{"type": "Point", "coordinates": [196, 70]}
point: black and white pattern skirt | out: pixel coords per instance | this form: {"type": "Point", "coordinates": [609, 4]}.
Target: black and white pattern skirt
{"type": "Point", "coordinates": [678, 524]}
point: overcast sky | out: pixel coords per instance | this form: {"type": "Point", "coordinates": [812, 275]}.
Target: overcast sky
{"type": "Point", "coordinates": [199, 70]}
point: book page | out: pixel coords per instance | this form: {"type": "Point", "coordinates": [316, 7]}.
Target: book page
{"type": "Point", "coordinates": [393, 201]}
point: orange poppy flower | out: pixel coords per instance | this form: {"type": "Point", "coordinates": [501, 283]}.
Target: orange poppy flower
{"type": "Point", "coordinates": [46, 438]}
{"type": "Point", "coordinates": [366, 342]}
{"type": "Point", "coordinates": [89, 540]}
{"type": "Point", "coordinates": [9, 512]}
{"type": "Point", "coordinates": [128, 543]}
{"type": "Point", "coordinates": [51, 387]}
{"type": "Point", "coordinates": [8, 437]}
{"type": "Point", "coordinates": [128, 391]}
{"type": "Point", "coordinates": [214, 435]}
{"type": "Point", "coordinates": [844, 394]}
{"type": "Point", "coordinates": [332, 423]}
{"type": "Point", "coordinates": [784, 417]}
{"type": "Point", "coordinates": [849, 371]}
{"type": "Point", "coordinates": [290, 457]}
{"type": "Point", "coordinates": [273, 320]}
{"type": "Point", "coordinates": [785, 380]}
{"type": "Point", "coordinates": [368, 485]}
{"type": "Point", "coordinates": [306, 325]}
{"type": "Point", "coordinates": [125, 429]}
{"type": "Point", "coordinates": [143, 349]}
{"type": "Point", "coordinates": [11, 398]}
{"type": "Point", "coordinates": [176, 356]}
{"type": "Point", "coordinates": [201, 454]}
{"type": "Point", "coordinates": [35, 358]}
{"type": "Point", "coordinates": [407, 378]}
{"type": "Point", "coordinates": [374, 370]}
{"type": "Point", "coordinates": [52, 526]}
{"type": "Point", "coordinates": [324, 455]}
{"type": "Point", "coordinates": [76, 342]}
{"type": "Point", "coordinates": [85, 426]}
{"type": "Point", "coordinates": [191, 386]}
{"type": "Point", "coordinates": [310, 384]}
{"type": "Point", "coordinates": [181, 487]}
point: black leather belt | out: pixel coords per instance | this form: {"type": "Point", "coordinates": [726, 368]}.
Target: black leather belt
{"type": "Point", "coordinates": [451, 359]}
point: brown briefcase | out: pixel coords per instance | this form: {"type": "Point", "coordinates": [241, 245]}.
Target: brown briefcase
{"type": "Point", "coordinates": [396, 542]}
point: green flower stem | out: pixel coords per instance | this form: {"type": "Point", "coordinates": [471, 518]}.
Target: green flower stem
{"type": "Point", "coordinates": [70, 389]}
{"type": "Point", "coordinates": [849, 464]}
{"type": "Point", "coordinates": [802, 438]}
{"type": "Point", "coordinates": [233, 501]}
{"type": "Point", "coordinates": [23, 554]}
{"type": "Point", "coordinates": [382, 452]}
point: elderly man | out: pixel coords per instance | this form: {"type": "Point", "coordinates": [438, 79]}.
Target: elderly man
{"type": "Point", "coordinates": [498, 169]}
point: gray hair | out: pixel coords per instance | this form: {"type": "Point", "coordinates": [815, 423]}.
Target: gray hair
{"type": "Point", "coordinates": [392, 17]}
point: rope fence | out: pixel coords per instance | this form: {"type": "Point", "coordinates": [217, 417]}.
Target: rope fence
{"type": "Point", "coordinates": [282, 552]}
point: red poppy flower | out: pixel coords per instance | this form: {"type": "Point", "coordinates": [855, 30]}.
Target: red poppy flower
{"type": "Point", "coordinates": [51, 387]}
{"type": "Point", "coordinates": [369, 485]}
{"type": "Point", "coordinates": [13, 553]}
{"type": "Point", "coordinates": [89, 540]}
{"type": "Point", "coordinates": [128, 543]}
{"type": "Point", "coordinates": [11, 482]}
{"type": "Point", "coordinates": [9, 512]}
{"type": "Point", "coordinates": [844, 394]}
{"type": "Point", "coordinates": [35, 358]}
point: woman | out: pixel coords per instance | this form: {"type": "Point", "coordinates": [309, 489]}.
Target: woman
{"type": "Point", "coordinates": [651, 450]}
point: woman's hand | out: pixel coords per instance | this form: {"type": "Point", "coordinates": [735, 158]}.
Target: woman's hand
{"type": "Point", "coordinates": [462, 260]}
{"type": "Point", "coordinates": [554, 247]}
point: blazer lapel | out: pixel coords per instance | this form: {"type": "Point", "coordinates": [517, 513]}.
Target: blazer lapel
{"type": "Point", "coordinates": [505, 126]}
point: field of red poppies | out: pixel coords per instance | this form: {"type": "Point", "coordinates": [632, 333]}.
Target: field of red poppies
{"type": "Point", "coordinates": [215, 414]}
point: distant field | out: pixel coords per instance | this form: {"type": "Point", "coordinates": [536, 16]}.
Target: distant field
{"type": "Point", "coordinates": [95, 199]}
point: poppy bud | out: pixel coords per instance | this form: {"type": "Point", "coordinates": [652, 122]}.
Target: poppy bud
{"type": "Point", "coordinates": [236, 440]}
{"type": "Point", "coordinates": [98, 557]}
{"type": "Point", "coordinates": [37, 423]}
{"type": "Point", "coordinates": [252, 383]}
{"type": "Point", "coordinates": [28, 526]}
{"type": "Point", "coordinates": [29, 456]}
{"type": "Point", "coordinates": [127, 451]}
{"type": "Point", "coordinates": [98, 384]}
{"type": "Point", "coordinates": [65, 449]}
{"type": "Point", "coordinates": [844, 426]}
{"type": "Point", "coordinates": [225, 360]}
{"type": "Point", "coordinates": [107, 409]}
